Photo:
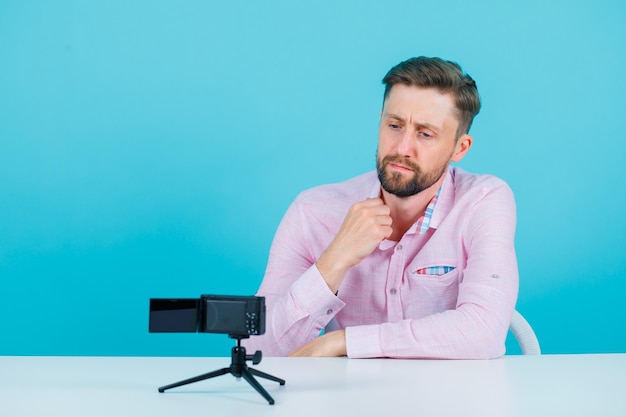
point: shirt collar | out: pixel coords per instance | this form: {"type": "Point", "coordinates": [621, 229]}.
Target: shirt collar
{"type": "Point", "coordinates": [423, 223]}
{"type": "Point", "coordinates": [445, 200]}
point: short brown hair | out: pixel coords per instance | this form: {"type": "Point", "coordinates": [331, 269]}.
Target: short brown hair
{"type": "Point", "coordinates": [445, 76]}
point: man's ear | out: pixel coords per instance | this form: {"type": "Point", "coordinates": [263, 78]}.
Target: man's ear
{"type": "Point", "coordinates": [462, 146]}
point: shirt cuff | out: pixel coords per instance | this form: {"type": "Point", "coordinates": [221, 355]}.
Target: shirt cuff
{"type": "Point", "coordinates": [364, 341]}
{"type": "Point", "coordinates": [314, 296]}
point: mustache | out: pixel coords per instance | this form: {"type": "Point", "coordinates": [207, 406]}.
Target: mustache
{"type": "Point", "coordinates": [400, 160]}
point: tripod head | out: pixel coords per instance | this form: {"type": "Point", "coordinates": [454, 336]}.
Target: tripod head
{"type": "Point", "coordinates": [239, 356]}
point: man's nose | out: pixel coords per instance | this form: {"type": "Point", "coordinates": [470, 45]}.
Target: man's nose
{"type": "Point", "coordinates": [406, 144]}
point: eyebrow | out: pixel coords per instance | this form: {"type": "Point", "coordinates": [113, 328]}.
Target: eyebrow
{"type": "Point", "coordinates": [418, 125]}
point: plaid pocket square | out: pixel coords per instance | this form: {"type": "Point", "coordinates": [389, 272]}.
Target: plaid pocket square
{"type": "Point", "coordinates": [434, 270]}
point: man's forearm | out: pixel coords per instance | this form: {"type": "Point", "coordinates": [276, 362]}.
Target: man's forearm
{"type": "Point", "coordinates": [330, 344]}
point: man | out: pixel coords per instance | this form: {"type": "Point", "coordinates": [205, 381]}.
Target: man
{"type": "Point", "coordinates": [415, 260]}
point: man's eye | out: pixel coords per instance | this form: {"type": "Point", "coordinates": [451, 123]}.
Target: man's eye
{"type": "Point", "coordinates": [394, 126]}
{"type": "Point", "coordinates": [426, 135]}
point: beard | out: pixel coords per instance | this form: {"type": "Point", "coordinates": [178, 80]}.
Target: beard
{"type": "Point", "coordinates": [395, 183]}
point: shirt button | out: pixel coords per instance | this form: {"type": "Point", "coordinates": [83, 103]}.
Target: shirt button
{"type": "Point", "coordinates": [399, 247]}
{"type": "Point", "coordinates": [392, 291]}
{"type": "Point", "coordinates": [329, 311]}
{"type": "Point", "coordinates": [495, 276]}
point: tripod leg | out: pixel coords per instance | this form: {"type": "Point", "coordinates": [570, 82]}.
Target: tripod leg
{"type": "Point", "coordinates": [266, 376]}
{"type": "Point", "coordinates": [196, 379]}
{"type": "Point", "coordinates": [245, 373]}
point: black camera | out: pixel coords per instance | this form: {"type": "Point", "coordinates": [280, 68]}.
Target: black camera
{"type": "Point", "coordinates": [240, 316]}
{"type": "Point", "coordinates": [237, 316]}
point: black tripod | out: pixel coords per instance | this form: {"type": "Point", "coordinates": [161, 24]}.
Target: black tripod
{"type": "Point", "coordinates": [239, 369]}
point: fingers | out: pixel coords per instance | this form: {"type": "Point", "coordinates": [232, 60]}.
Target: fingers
{"type": "Point", "coordinates": [374, 203]}
{"type": "Point", "coordinates": [367, 221]}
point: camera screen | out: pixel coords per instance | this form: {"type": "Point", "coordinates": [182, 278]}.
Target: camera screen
{"type": "Point", "coordinates": [173, 315]}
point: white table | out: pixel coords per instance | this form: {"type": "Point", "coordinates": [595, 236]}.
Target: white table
{"type": "Point", "coordinates": [548, 385]}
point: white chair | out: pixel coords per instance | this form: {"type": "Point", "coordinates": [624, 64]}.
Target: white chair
{"type": "Point", "coordinates": [524, 335]}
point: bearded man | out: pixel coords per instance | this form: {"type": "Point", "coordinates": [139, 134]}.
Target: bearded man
{"type": "Point", "coordinates": [413, 260]}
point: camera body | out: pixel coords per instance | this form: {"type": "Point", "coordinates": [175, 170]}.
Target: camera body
{"type": "Point", "coordinates": [240, 316]}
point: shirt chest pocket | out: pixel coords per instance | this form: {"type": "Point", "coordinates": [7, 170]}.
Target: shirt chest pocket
{"type": "Point", "coordinates": [431, 287]}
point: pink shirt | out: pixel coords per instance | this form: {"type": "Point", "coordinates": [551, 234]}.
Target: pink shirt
{"type": "Point", "coordinates": [387, 304]}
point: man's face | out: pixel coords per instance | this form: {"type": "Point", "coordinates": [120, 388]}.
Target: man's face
{"type": "Point", "coordinates": [416, 139]}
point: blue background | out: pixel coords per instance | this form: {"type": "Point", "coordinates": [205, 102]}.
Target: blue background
{"type": "Point", "coordinates": [150, 149]}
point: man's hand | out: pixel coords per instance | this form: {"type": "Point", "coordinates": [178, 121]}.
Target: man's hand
{"type": "Point", "coordinates": [329, 344]}
{"type": "Point", "coordinates": [365, 226]}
